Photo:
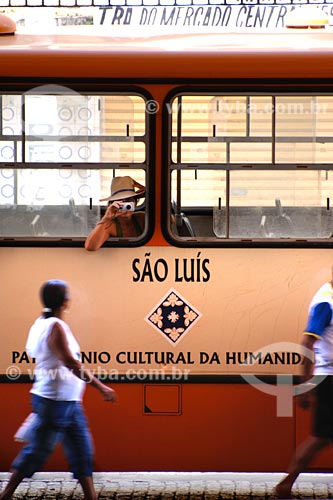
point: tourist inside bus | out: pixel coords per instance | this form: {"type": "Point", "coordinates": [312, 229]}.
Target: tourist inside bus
{"type": "Point", "coordinates": [120, 219]}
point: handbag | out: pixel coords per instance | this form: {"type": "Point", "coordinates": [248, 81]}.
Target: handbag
{"type": "Point", "coordinates": [23, 433]}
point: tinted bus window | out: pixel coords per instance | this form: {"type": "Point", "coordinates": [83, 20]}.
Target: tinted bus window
{"type": "Point", "coordinates": [59, 151]}
{"type": "Point", "coordinates": [250, 167]}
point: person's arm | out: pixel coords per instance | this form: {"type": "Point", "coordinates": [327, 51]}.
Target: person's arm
{"type": "Point", "coordinates": [318, 321]}
{"type": "Point", "coordinates": [98, 236]}
{"type": "Point", "coordinates": [308, 360]}
{"type": "Point", "coordinates": [101, 232]}
{"type": "Point", "coordinates": [58, 344]}
{"type": "Point", "coordinates": [304, 399]}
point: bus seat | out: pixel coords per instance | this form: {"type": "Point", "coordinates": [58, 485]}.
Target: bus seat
{"type": "Point", "coordinates": [184, 226]}
{"type": "Point", "coordinates": [182, 222]}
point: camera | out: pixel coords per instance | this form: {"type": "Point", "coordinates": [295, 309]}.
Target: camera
{"type": "Point", "coordinates": [127, 206]}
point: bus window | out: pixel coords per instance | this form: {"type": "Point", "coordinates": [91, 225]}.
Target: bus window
{"type": "Point", "coordinates": [250, 168]}
{"type": "Point", "coordinates": [54, 203]}
{"type": "Point", "coordinates": [59, 151]}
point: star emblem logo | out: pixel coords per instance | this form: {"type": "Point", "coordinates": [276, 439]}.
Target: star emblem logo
{"type": "Point", "coordinates": [173, 317]}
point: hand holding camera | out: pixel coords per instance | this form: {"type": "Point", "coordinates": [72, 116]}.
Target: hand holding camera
{"type": "Point", "coordinates": [119, 207]}
{"type": "Point", "coordinates": [127, 206]}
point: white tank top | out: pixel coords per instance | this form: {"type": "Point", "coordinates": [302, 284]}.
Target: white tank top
{"type": "Point", "coordinates": [52, 379]}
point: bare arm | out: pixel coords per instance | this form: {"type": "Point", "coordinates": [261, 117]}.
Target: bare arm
{"type": "Point", "coordinates": [307, 369]}
{"type": "Point", "coordinates": [308, 361]}
{"type": "Point", "coordinates": [101, 232]}
{"type": "Point", "coordinates": [59, 345]}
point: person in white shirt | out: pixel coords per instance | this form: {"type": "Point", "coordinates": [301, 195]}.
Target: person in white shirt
{"type": "Point", "coordinates": [57, 393]}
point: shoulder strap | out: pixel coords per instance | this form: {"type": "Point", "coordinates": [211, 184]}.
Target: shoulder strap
{"type": "Point", "coordinates": [118, 228]}
{"type": "Point", "coordinates": [136, 225]}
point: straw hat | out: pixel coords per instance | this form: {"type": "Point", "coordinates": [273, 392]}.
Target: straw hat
{"type": "Point", "coordinates": [124, 187]}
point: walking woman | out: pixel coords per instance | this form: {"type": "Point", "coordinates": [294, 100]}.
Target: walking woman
{"type": "Point", "coordinates": [57, 393]}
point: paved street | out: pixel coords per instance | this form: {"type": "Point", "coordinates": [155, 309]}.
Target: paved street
{"type": "Point", "coordinates": [171, 485]}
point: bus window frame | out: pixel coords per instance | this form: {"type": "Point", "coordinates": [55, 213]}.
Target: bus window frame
{"type": "Point", "coordinates": [237, 88]}
{"type": "Point", "coordinates": [91, 87]}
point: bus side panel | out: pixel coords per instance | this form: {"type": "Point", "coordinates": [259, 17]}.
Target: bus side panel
{"type": "Point", "coordinates": [198, 311]}
{"type": "Point", "coordinates": [220, 427]}
{"type": "Point", "coordinates": [246, 299]}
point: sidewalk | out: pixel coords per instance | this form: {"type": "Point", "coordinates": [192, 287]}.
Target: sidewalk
{"type": "Point", "coordinates": [171, 485]}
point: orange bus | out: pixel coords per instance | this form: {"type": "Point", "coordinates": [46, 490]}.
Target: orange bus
{"type": "Point", "coordinates": [196, 320]}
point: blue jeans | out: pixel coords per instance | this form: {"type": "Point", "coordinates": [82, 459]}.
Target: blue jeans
{"type": "Point", "coordinates": [58, 421]}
